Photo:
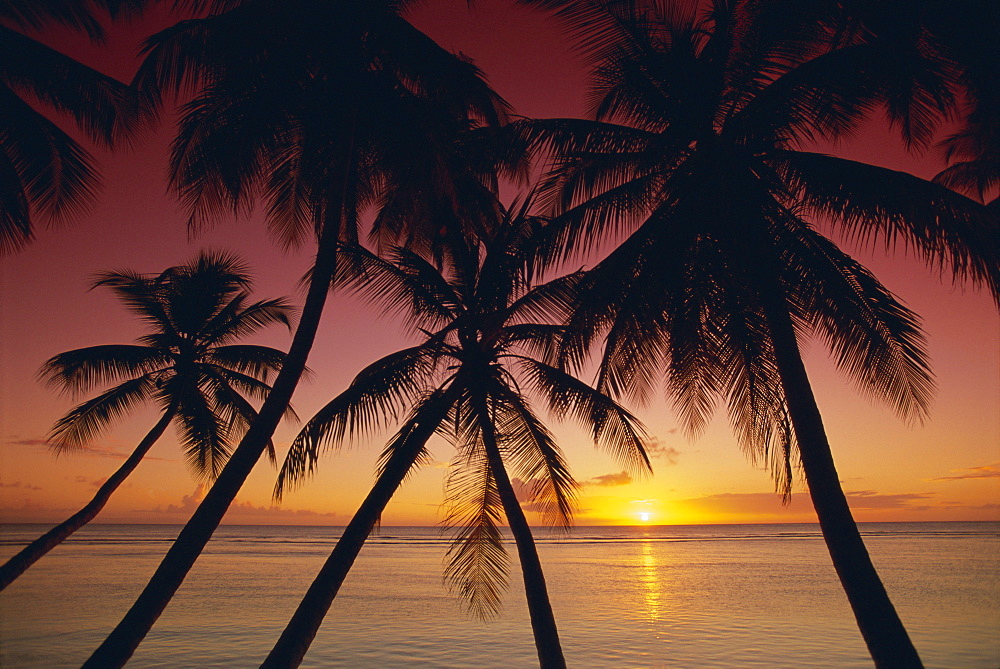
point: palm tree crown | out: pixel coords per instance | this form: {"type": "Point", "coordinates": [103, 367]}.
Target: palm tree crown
{"type": "Point", "coordinates": [486, 348]}
{"type": "Point", "coordinates": [189, 362]}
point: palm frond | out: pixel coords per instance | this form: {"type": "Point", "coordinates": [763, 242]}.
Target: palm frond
{"type": "Point", "coordinates": [80, 370]}
{"type": "Point", "coordinates": [259, 362]}
{"type": "Point", "coordinates": [875, 339]}
{"type": "Point", "coordinates": [87, 420]}
{"type": "Point", "coordinates": [35, 70]}
{"type": "Point", "coordinates": [477, 563]}
{"type": "Point", "coordinates": [613, 427]}
{"type": "Point", "coordinates": [374, 397]}
{"type": "Point", "coordinates": [203, 429]}
{"type": "Point", "coordinates": [533, 456]}
{"type": "Point", "coordinates": [404, 282]}
{"type": "Point", "coordinates": [428, 416]}
{"type": "Point", "coordinates": [46, 171]}
{"type": "Point", "coordinates": [878, 205]}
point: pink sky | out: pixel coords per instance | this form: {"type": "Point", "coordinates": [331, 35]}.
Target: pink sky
{"type": "Point", "coordinates": [946, 469]}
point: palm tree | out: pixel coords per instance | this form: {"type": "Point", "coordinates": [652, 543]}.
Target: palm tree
{"type": "Point", "coordinates": [484, 348]}
{"type": "Point", "coordinates": [323, 110]}
{"type": "Point", "coordinates": [188, 365]}
{"type": "Point", "coordinates": [694, 155]}
{"type": "Point", "coordinates": [43, 170]}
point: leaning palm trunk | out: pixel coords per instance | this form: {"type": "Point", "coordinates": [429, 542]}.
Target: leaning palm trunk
{"type": "Point", "coordinates": [37, 549]}
{"type": "Point", "coordinates": [118, 647]}
{"type": "Point", "coordinates": [883, 631]}
{"type": "Point", "coordinates": [543, 621]}
{"type": "Point", "coordinates": [298, 634]}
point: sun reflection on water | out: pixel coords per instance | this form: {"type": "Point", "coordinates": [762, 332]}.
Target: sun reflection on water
{"type": "Point", "coordinates": [650, 579]}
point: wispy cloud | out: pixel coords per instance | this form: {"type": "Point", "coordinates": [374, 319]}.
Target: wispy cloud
{"type": "Point", "coordinates": [984, 472]}
{"type": "Point", "coordinates": [767, 503]}
{"type": "Point", "coordinates": [98, 482]}
{"type": "Point", "coordinates": [610, 480]}
{"type": "Point", "coordinates": [655, 448]}
{"type": "Point", "coordinates": [18, 484]}
{"type": "Point", "coordinates": [28, 442]}
{"type": "Point", "coordinates": [869, 499]}
{"type": "Point", "coordinates": [243, 510]}
{"type": "Point", "coordinates": [91, 450]}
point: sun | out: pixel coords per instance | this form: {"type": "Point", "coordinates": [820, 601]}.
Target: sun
{"type": "Point", "coordinates": [644, 517]}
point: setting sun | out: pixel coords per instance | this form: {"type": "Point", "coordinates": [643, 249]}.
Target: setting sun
{"type": "Point", "coordinates": [644, 517]}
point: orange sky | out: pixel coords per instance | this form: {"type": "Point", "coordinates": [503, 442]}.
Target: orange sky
{"type": "Point", "coordinates": [946, 469]}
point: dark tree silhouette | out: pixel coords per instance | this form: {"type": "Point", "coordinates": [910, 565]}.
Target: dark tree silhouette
{"type": "Point", "coordinates": [325, 111]}
{"type": "Point", "coordinates": [189, 365]}
{"type": "Point", "coordinates": [43, 170]}
{"type": "Point", "coordinates": [694, 155]}
{"type": "Point", "coordinates": [485, 349]}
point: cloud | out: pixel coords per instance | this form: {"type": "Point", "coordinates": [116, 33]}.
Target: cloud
{"type": "Point", "coordinates": [31, 511]}
{"type": "Point", "coordinates": [93, 450]}
{"type": "Point", "coordinates": [984, 472]}
{"type": "Point", "coordinates": [18, 484]}
{"type": "Point", "coordinates": [97, 483]}
{"type": "Point", "coordinates": [524, 491]}
{"type": "Point", "coordinates": [869, 499]}
{"type": "Point", "coordinates": [243, 510]}
{"type": "Point", "coordinates": [112, 452]}
{"type": "Point", "coordinates": [655, 448]}
{"type": "Point", "coordinates": [29, 442]}
{"type": "Point", "coordinates": [610, 480]}
{"type": "Point", "coordinates": [768, 503]}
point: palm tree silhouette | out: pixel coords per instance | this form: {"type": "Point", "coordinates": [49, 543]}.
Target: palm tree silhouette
{"type": "Point", "coordinates": [694, 155]}
{"type": "Point", "coordinates": [484, 351]}
{"type": "Point", "coordinates": [43, 170]}
{"type": "Point", "coordinates": [188, 365]}
{"type": "Point", "coordinates": [325, 111]}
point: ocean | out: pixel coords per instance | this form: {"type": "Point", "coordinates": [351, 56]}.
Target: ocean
{"type": "Point", "coordinates": [668, 596]}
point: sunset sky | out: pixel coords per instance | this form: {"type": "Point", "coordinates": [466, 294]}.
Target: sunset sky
{"type": "Point", "coordinates": [945, 469]}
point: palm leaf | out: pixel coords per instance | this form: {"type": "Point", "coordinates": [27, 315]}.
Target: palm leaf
{"type": "Point", "coordinates": [873, 204]}
{"type": "Point", "coordinates": [82, 369]}
{"type": "Point", "coordinates": [373, 398]}
{"type": "Point", "coordinates": [90, 418]}
{"type": "Point", "coordinates": [477, 563]}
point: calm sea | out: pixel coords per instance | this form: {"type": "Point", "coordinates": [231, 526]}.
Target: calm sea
{"type": "Point", "coordinates": [672, 596]}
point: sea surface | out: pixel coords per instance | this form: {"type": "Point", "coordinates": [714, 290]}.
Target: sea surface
{"type": "Point", "coordinates": [670, 596]}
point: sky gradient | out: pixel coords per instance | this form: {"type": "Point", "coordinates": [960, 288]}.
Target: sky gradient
{"type": "Point", "coordinates": [945, 469]}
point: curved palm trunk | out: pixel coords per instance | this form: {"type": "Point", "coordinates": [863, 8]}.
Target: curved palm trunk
{"type": "Point", "coordinates": [298, 634]}
{"type": "Point", "coordinates": [543, 622]}
{"type": "Point", "coordinates": [883, 631]}
{"type": "Point", "coordinates": [118, 647]}
{"type": "Point", "coordinates": [37, 549]}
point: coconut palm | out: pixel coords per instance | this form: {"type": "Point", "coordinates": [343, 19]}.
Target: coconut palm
{"type": "Point", "coordinates": [485, 347]}
{"type": "Point", "coordinates": [189, 365]}
{"type": "Point", "coordinates": [694, 156]}
{"type": "Point", "coordinates": [43, 170]}
{"type": "Point", "coordinates": [323, 111]}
